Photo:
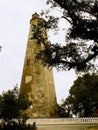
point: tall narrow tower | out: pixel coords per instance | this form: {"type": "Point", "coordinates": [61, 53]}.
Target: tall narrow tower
{"type": "Point", "coordinates": [37, 81]}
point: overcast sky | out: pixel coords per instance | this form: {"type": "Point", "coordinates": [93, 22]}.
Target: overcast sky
{"type": "Point", "coordinates": [14, 27]}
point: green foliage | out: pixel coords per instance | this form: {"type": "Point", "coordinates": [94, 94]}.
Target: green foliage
{"type": "Point", "coordinates": [16, 126]}
{"type": "Point", "coordinates": [64, 110]}
{"type": "Point", "coordinates": [12, 103]}
{"type": "Point", "coordinates": [0, 48]}
{"type": "Point", "coordinates": [83, 96]}
{"type": "Point", "coordinates": [81, 50]}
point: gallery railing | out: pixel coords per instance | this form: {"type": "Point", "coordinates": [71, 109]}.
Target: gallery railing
{"type": "Point", "coordinates": [41, 121]}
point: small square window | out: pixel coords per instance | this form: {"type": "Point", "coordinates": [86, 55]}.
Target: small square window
{"type": "Point", "coordinates": [28, 62]}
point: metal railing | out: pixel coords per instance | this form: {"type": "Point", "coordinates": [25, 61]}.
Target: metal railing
{"type": "Point", "coordinates": [43, 121]}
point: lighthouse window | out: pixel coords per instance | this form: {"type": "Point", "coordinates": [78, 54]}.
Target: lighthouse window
{"type": "Point", "coordinates": [28, 62]}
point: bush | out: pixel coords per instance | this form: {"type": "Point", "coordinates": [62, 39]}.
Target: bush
{"type": "Point", "coordinates": [16, 126]}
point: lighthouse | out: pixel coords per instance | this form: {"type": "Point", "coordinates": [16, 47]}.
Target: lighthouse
{"type": "Point", "coordinates": [37, 82]}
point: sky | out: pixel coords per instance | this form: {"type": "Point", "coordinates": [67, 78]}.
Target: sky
{"type": "Point", "coordinates": [15, 18]}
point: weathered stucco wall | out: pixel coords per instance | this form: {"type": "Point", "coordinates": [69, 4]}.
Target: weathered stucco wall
{"type": "Point", "coordinates": [37, 81]}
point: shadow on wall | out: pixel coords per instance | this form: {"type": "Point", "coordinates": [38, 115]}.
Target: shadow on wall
{"type": "Point", "coordinates": [92, 128]}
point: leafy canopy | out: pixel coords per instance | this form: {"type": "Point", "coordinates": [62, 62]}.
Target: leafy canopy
{"type": "Point", "coordinates": [12, 103]}
{"type": "Point", "coordinates": [83, 96]}
{"type": "Point", "coordinates": [81, 46]}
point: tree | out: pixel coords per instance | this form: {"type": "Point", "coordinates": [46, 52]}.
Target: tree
{"type": "Point", "coordinates": [0, 48]}
{"type": "Point", "coordinates": [83, 96]}
{"type": "Point", "coordinates": [64, 110]}
{"type": "Point", "coordinates": [12, 103]}
{"type": "Point", "coordinates": [81, 49]}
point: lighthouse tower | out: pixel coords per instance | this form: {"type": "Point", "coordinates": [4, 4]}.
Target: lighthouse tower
{"type": "Point", "coordinates": [37, 81]}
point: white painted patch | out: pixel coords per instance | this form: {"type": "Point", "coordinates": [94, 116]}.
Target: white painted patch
{"type": "Point", "coordinates": [28, 79]}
